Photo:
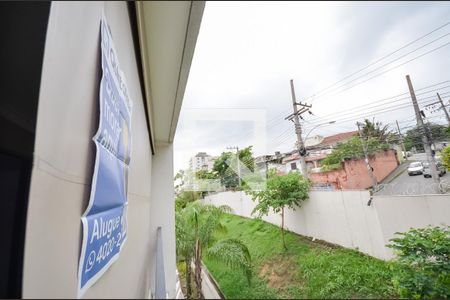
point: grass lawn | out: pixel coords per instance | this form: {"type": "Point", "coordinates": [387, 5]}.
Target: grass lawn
{"type": "Point", "coordinates": [306, 270]}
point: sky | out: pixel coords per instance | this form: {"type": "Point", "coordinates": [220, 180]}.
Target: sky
{"type": "Point", "coordinates": [238, 92]}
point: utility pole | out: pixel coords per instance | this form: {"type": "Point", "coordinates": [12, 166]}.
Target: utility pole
{"type": "Point", "coordinates": [426, 143]}
{"type": "Point", "coordinates": [401, 140]}
{"type": "Point", "coordinates": [298, 128]}
{"type": "Point", "coordinates": [443, 107]}
{"type": "Point", "coordinates": [369, 167]}
{"type": "Point", "coordinates": [238, 162]}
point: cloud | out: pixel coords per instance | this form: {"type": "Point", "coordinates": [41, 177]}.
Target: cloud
{"type": "Point", "coordinates": [247, 52]}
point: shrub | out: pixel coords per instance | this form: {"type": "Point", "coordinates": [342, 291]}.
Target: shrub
{"type": "Point", "coordinates": [422, 266]}
{"type": "Point", "coordinates": [445, 154]}
{"type": "Point", "coordinates": [331, 167]}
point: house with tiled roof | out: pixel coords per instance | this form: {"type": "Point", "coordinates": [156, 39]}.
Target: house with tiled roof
{"type": "Point", "coordinates": [318, 148]}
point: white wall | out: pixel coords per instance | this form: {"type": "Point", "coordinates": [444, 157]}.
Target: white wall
{"type": "Point", "coordinates": [64, 163]}
{"type": "Point", "coordinates": [343, 217]}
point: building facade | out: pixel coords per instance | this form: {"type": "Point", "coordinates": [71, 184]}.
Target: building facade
{"type": "Point", "coordinates": [50, 115]}
{"type": "Point", "coordinates": [201, 161]}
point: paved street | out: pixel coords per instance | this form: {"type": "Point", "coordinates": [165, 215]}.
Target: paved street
{"type": "Point", "coordinates": [413, 185]}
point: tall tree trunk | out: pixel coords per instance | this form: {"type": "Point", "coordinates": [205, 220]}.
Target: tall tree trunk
{"type": "Point", "coordinates": [188, 278]}
{"type": "Point", "coordinates": [198, 270]}
{"type": "Point", "coordinates": [282, 228]}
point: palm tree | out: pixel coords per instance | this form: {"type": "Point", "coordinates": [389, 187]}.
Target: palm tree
{"type": "Point", "coordinates": [376, 130]}
{"type": "Point", "coordinates": [185, 241]}
{"type": "Point", "coordinates": [195, 228]}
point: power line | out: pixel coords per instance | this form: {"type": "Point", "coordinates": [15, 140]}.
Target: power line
{"type": "Point", "coordinates": [365, 115]}
{"type": "Point", "coordinates": [370, 105]}
{"type": "Point", "coordinates": [382, 66]}
{"type": "Point", "coordinates": [393, 68]}
{"type": "Point", "coordinates": [378, 60]}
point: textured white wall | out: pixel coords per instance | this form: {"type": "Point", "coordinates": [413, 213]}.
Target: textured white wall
{"type": "Point", "coordinates": [162, 213]}
{"type": "Point", "coordinates": [343, 217]}
{"type": "Point", "coordinates": [64, 162]}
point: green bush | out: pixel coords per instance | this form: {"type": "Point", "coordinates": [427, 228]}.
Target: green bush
{"type": "Point", "coordinates": [422, 266]}
{"type": "Point", "coordinates": [331, 167]}
{"type": "Point", "coordinates": [445, 154]}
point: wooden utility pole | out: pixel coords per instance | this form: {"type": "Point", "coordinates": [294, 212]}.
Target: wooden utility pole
{"type": "Point", "coordinates": [443, 107]}
{"type": "Point", "coordinates": [366, 155]}
{"type": "Point", "coordinates": [401, 140]}
{"type": "Point", "coordinates": [425, 141]}
{"type": "Point", "coordinates": [298, 128]}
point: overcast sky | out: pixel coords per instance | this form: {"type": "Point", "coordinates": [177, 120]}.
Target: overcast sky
{"type": "Point", "coordinates": [247, 52]}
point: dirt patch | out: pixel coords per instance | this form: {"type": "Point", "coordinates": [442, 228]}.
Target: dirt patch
{"type": "Point", "coordinates": [280, 272]}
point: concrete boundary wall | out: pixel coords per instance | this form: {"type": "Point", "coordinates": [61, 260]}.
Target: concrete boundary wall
{"type": "Point", "coordinates": [343, 217]}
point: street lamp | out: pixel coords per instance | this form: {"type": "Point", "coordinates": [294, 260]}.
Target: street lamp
{"type": "Point", "coordinates": [331, 122]}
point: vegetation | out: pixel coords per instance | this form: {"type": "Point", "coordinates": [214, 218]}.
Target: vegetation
{"type": "Point", "coordinates": [186, 197]}
{"type": "Point", "coordinates": [281, 192]}
{"type": "Point", "coordinates": [194, 228]}
{"type": "Point", "coordinates": [445, 154]}
{"type": "Point", "coordinates": [377, 131]}
{"type": "Point", "coordinates": [306, 270]}
{"type": "Point", "coordinates": [423, 268]}
{"type": "Point", "coordinates": [227, 176]}
{"type": "Point", "coordinates": [436, 132]}
{"type": "Point", "coordinates": [376, 136]}
{"type": "Point", "coordinates": [351, 149]}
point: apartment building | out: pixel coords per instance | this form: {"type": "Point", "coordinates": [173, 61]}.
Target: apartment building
{"type": "Point", "coordinates": [201, 161]}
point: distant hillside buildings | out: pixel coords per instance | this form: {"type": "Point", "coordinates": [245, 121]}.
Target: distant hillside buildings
{"type": "Point", "coordinates": [202, 161]}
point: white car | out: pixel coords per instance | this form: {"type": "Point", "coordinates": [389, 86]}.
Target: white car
{"type": "Point", "coordinates": [415, 168]}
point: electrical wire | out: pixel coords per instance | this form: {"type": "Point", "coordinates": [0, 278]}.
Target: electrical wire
{"type": "Point", "coordinates": [378, 60]}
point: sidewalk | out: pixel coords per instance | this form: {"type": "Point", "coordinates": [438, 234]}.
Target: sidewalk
{"type": "Point", "coordinates": [397, 172]}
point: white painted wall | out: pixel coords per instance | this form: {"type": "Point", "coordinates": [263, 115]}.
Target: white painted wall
{"type": "Point", "coordinates": [64, 162]}
{"type": "Point", "coordinates": [343, 217]}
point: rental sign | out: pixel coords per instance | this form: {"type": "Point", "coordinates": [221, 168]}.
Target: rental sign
{"type": "Point", "coordinates": [105, 219]}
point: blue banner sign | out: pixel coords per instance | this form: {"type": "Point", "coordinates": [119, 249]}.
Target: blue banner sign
{"type": "Point", "coordinates": [105, 221]}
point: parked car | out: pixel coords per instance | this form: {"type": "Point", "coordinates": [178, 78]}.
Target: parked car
{"type": "Point", "coordinates": [427, 172]}
{"type": "Point", "coordinates": [415, 168]}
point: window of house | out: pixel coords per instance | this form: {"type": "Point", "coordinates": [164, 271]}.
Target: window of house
{"type": "Point", "coordinates": [293, 166]}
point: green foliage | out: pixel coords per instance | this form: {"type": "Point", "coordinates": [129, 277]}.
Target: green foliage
{"type": "Point", "coordinates": [227, 176]}
{"type": "Point", "coordinates": [377, 131]}
{"type": "Point", "coordinates": [422, 269]}
{"type": "Point", "coordinates": [445, 154]}
{"type": "Point", "coordinates": [413, 136]}
{"type": "Point", "coordinates": [343, 274]}
{"type": "Point", "coordinates": [205, 174]}
{"type": "Point", "coordinates": [195, 226]}
{"type": "Point", "coordinates": [447, 132]}
{"type": "Point", "coordinates": [185, 197]}
{"type": "Point", "coordinates": [352, 149]}
{"type": "Point", "coordinates": [307, 270]}
{"type": "Point", "coordinates": [233, 253]}
{"type": "Point", "coordinates": [281, 191]}
{"type": "Point", "coordinates": [331, 167]}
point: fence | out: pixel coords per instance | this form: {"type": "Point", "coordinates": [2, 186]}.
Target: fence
{"type": "Point", "coordinates": [344, 218]}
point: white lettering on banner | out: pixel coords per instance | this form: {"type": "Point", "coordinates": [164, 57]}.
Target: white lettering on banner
{"type": "Point", "coordinates": [105, 228]}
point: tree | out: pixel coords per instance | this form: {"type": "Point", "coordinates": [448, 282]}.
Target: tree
{"type": "Point", "coordinates": [227, 176]}
{"type": "Point", "coordinates": [435, 132]}
{"type": "Point", "coordinates": [195, 227]}
{"type": "Point", "coordinates": [205, 174]}
{"type": "Point", "coordinates": [376, 130]}
{"type": "Point", "coordinates": [281, 192]}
